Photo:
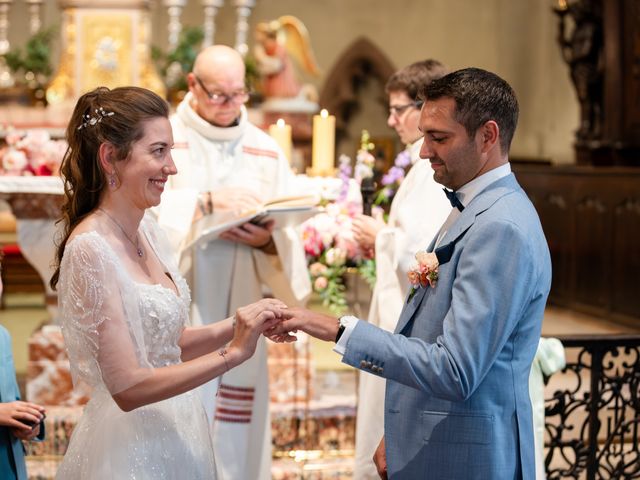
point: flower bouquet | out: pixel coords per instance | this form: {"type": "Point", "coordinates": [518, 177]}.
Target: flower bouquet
{"type": "Point", "coordinates": [31, 153]}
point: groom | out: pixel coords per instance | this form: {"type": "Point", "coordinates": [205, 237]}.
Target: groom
{"type": "Point", "coordinates": [457, 367]}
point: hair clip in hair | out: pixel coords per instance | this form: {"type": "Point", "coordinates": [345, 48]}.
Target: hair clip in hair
{"type": "Point", "coordinates": [90, 121]}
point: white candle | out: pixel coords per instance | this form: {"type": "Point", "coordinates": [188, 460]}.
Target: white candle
{"type": "Point", "coordinates": [281, 133]}
{"type": "Point", "coordinates": [324, 136]}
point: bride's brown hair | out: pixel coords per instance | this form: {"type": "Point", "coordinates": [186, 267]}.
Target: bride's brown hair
{"type": "Point", "coordinates": [101, 116]}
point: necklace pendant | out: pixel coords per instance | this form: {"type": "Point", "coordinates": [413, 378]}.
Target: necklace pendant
{"type": "Point", "coordinates": [140, 252]}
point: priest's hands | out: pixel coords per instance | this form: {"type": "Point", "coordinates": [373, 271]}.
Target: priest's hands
{"type": "Point", "coordinates": [318, 325]}
{"type": "Point", "coordinates": [19, 416]}
{"type": "Point", "coordinates": [365, 229]}
{"type": "Point", "coordinates": [257, 236]}
{"type": "Point", "coordinates": [251, 321]}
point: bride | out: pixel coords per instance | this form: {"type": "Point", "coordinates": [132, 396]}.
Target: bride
{"type": "Point", "coordinates": [124, 305]}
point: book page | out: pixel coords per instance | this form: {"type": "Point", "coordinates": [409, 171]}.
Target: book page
{"type": "Point", "coordinates": [209, 228]}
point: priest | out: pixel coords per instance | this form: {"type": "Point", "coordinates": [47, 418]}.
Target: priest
{"type": "Point", "coordinates": [225, 163]}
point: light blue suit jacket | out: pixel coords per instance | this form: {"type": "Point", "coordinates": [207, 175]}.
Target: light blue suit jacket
{"type": "Point", "coordinates": [457, 400]}
{"type": "Point", "coordinates": [9, 393]}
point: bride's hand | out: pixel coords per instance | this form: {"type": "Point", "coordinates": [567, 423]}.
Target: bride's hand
{"type": "Point", "coordinates": [252, 320]}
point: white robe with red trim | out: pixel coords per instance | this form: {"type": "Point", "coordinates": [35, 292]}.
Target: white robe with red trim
{"type": "Point", "coordinates": [226, 275]}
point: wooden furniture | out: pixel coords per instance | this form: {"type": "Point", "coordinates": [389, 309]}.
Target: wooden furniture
{"type": "Point", "coordinates": [591, 218]}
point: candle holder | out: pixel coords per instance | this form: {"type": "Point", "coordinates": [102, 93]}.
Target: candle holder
{"type": "Point", "coordinates": [174, 10]}
{"type": "Point", "coordinates": [210, 10]}
{"type": "Point", "coordinates": [242, 27]}
{"type": "Point", "coordinates": [34, 16]}
{"type": "Point", "coordinates": [6, 77]}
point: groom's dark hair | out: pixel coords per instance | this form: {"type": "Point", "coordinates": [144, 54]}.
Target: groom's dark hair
{"type": "Point", "coordinates": [480, 96]}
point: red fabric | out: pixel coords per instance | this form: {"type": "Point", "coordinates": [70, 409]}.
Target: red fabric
{"type": "Point", "coordinates": [12, 250]}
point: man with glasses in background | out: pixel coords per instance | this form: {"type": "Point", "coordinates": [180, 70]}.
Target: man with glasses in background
{"type": "Point", "coordinates": [227, 164]}
{"type": "Point", "coordinates": [418, 210]}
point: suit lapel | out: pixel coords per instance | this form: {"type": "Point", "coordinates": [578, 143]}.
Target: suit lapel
{"type": "Point", "coordinates": [410, 305]}
{"type": "Point", "coordinates": [483, 201]}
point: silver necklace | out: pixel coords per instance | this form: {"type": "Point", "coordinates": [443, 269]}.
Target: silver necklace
{"type": "Point", "coordinates": [136, 244]}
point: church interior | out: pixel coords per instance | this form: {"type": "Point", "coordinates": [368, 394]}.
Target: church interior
{"type": "Point", "coordinates": [574, 65]}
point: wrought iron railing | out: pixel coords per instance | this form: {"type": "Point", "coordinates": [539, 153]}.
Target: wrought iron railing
{"type": "Point", "coordinates": [593, 420]}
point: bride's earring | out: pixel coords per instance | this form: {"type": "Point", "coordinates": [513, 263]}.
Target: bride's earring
{"type": "Point", "coordinates": [112, 181]}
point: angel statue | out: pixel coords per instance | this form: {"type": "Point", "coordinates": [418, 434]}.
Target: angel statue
{"type": "Point", "coordinates": [277, 42]}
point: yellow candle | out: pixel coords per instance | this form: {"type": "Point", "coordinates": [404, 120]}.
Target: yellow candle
{"type": "Point", "coordinates": [324, 136]}
{"type": "Point", "coordinates": [281, 133]}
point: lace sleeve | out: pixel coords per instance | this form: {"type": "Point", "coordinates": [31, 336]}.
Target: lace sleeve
{"type": "Point", "coordinates": [100, 322]}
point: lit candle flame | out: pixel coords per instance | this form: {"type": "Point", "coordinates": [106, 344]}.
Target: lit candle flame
{"type": "Point", "coordinates": [324, 113]}
{"type": "Point", "coordinates": [280, 123]}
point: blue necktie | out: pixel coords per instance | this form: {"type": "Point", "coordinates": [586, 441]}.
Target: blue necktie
{"type": "Point", "coordinates": [453, 199]}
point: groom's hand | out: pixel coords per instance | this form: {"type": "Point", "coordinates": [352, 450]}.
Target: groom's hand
{"type": "Point", "coordinates": [318, 325]}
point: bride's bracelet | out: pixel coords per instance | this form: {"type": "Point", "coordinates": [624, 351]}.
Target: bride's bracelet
{"type": "Point", "coordinates": [223, 354]}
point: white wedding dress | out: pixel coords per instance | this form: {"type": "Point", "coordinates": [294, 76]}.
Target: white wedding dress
{"type": "Point", "coordinates": [116, 332]}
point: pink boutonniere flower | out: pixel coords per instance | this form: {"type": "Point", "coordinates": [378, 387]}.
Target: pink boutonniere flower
{"type": "Point", "coordinates": [424, 273]}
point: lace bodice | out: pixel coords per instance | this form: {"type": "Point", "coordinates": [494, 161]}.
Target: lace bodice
{"type": "Point", "coordinates": [163, 315]}
{"type": "Point", "coordinates": [116, 329]}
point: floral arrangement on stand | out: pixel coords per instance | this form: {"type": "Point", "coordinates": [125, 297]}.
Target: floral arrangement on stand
{"type": "Point", "coordinates": [31, 153]}
{"type": "Point", "coordinates": [328, 239]}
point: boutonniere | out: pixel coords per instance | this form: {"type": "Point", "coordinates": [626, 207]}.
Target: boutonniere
{"type": "Point", "coordinates": [423, 273]}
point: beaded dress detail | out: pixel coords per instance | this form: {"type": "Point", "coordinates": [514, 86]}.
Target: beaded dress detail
{"type": "Point", "coordinates": [116, 332]}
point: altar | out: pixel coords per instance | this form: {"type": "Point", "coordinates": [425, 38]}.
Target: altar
{"type": "Point", "coordinates": [35, 202]}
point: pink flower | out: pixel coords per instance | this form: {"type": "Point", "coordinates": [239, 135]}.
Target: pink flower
{"type": "Point", "coordinates": [316, 269]}
{"type": "Point", "coordinates": [38, 154]}
{"type": "Point", "coordinates": [425, 272]}
{"type": "Point", "coordinates": [320, 284]}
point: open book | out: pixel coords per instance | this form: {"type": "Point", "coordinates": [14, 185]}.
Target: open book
{"type": "Point", "coordinates": [284, 211]}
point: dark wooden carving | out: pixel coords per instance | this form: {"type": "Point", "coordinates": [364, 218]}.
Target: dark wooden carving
{"type": "Point", "coordinates": [582, 49]}
{"type": "Point", "coordinates": [591, 218]}
{"type": "Point", "coordinates": [600, 41]}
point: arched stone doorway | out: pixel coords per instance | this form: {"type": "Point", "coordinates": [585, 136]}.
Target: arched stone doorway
{"type": "Point", "coordinates": [354, 93]}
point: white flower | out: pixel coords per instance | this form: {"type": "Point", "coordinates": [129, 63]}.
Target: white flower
{"type": "Point", "coordinates": [14, 161]}
{"type": "Point", "coordinates": [336, 257]}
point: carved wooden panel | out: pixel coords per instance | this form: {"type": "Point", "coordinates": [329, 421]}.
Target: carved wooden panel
{"type": "Point", "coordinates": [625, 281]}
{"type": "Point", "coordinates": [552, 203]}
{"type": "Point", "coordinates": [591, 219]}
{"type": "Point", "coordinates": [591, 250]}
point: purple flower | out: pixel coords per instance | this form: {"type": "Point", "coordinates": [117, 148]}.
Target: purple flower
{"type": "Point", "coordinates": [403, 159]}
{"type": "Point", "coordinates": [344, 173]}
{"type": "Point", "coordinates": [394, 175]}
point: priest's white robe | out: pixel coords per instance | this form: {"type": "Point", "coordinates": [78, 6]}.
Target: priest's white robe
{"type": "Point", "coordinates": [225, 275]}
{"type": "Point", "coordinates": [418, 210]}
